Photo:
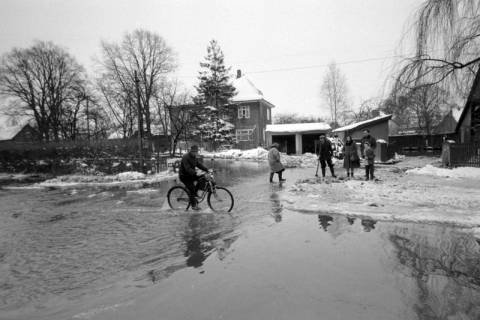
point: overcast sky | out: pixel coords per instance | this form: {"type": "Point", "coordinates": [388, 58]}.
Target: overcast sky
{"type": "Point", "coordinates": [282, 46]}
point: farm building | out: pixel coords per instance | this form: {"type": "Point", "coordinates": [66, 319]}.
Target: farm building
{"type": "Point", "coordinates": [380, 127]}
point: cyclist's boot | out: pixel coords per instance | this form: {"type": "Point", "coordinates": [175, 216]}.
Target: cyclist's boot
{"type": "Point", "coordinates": [271, 177]}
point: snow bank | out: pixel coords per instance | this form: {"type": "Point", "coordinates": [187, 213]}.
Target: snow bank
{"type": "Point", "coordinates": [306, 160]}
{"type": "Point", "coordinates": [124, 179]}
{"type": "Point", "coordinates": [462, 172]}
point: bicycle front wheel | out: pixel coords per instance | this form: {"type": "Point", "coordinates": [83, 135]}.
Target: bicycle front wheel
{"type": "Point", "coordinates": [178, 198]}
{"type": "Point", "coordinates": [220, 200]}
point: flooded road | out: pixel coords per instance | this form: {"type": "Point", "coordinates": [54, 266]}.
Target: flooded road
{"type": "Point", "coordinates": [122, 254]}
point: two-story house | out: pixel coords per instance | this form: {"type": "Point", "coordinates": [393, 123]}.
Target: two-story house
{"type": "Point", "coordinates": [253, 113]}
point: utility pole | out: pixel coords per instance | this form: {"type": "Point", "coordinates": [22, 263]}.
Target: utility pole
{"type": "Point", "coordinates": [140, 121]}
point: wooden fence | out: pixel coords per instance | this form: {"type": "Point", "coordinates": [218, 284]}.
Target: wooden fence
{"type": "Point", "coordinates": [111, 155]}
{"type": "Point", "coordinates": [464, 155]}
{"type": "Point", "coordinates": [417, 145]}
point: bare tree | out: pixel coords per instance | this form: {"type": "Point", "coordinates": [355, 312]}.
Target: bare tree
{"type": "Point", "coordinates": [119, 104]}
{"type": "Point", "coordinates": [173, 114]}
{"type": "Point", "coordinates": [42, 80]}
{"type": "Point", "coordinates": [144, 53]}
{"type": "Point", "coordinates": [335, 93]}
{"type": "Point", "coordinates": [446, 36]}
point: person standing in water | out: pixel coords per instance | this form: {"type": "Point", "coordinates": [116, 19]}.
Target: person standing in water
{"type": "Point", "coordinates": [276, 165]}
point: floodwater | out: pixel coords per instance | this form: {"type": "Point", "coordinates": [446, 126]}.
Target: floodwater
{"type": "Point", "coordinates": [122, 254]}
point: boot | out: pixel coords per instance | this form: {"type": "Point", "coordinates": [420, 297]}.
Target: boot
{"type": "Point", "coordinates": [271, 177]}
{"type": "Point", "coordinates": [280, 177]}
{"type": "Point", "coordinates": [372, 177]}
{"type": "Point", "coordinates": [332, 172]}
{"type": "Point", "coordinates": [348, 174]}
{"type": "Point", "coordinates": [351, 174]}
{"type": "Point", "coordinates": [367, 171]}
{"type": "Point", "coordinates": [323, 172]}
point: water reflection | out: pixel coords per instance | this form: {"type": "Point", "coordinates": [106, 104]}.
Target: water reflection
{"type": "Point", "coordinates": [325, 221]}
{"type": "Point", "coordinates": [277, 207]}
{"type": "Point", "coordinates": [368, 224]}
{"type": "Point", "coordinates": [444, 264]}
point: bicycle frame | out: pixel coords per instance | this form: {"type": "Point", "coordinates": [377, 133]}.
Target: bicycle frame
{"type": "Point", "coordinates": [209, 187]}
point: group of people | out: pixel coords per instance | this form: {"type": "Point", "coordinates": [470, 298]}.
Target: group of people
{"type": "Point", "coordinates": [189, 163]}
{"type": "Point", "coordinates": [325, 150]}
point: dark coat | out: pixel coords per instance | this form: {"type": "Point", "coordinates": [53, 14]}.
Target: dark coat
{"type": "Point", "coordinates": [188, 165]}
{"type": "Point", "coordinates": [325, 150]}
{"type": "Point", "coordinates": [370, 156]}
{"type": "Point", "coordinates": [371, 140]}
{"type": "Point", "coordinates": [351, 158]}
{"type": "Point", "coordinates": [274, 160]}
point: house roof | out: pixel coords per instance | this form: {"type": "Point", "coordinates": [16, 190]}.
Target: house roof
{"type": "Point", "coordinates": [246, 91]}
{"type": "Point", "coordinates": [298, 127]}
{"type": "Point", "coordinates": [471, 95]}
{"type": "Point", "coordinates": [361, 124]}
{"type": "Point", "coordinates": [456, 113]}
{"type": "Point", "coordinates": [10, 127]}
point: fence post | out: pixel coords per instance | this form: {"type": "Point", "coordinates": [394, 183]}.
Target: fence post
{"type": "Point", "coordinates": [446, 154]}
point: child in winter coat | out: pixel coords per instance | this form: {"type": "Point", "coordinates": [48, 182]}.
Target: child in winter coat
{"type": "Point", "coordinates": [370, 160]}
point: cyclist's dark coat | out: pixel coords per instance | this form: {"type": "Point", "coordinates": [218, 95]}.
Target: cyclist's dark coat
{"type": "Point", "coordinates": [188, 165]}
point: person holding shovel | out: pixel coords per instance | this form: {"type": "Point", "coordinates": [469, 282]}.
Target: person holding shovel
{"type": "Point", "coordinates": [325, 153]}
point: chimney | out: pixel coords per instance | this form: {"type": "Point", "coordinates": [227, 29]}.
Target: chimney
{"type": "Point", "coordinates": [239, 73]}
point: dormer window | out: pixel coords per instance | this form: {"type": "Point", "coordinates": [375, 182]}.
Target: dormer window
{"type": "Point", "coordinates": [244, 112]}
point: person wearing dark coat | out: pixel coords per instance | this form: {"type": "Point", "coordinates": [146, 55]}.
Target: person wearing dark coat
{"type": "Point", "coordinates": [370, 162]}
{"type": "Point", "coordinates": [367, 138]}
{"type": "Point", "coordinates": [274, 161]}
{"type": "Point", "coordinates": [325, 153]}
{"type": "Point", "coordinates": [351, 159]}
{"type": "Point", "coordinates": [188, 175]}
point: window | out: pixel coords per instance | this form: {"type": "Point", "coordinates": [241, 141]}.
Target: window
{"type": "Point", "coordinates": [244, 112]}
{"type": "Point", "coordinates": [244, 135]}
{"type": "Point", "coordinates": [268, 113]}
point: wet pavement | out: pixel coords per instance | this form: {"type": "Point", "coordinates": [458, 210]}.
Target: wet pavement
{"type": "Point", "coordinates": [122, 254]}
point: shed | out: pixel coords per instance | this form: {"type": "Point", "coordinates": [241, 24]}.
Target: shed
{"type": "Point", "coordinates": [449, 122]}
{"type": "Point", "coordinates": [380, 127]}
{"type": "Point", "coordinates": [296, 138]}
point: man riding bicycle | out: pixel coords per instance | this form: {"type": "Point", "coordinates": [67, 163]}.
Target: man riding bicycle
{"type": "Point", "coordinates": [188, 175]}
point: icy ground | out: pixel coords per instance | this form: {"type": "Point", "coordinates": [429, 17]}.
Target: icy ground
{"type": "Point", "coordinates": [415, 189]}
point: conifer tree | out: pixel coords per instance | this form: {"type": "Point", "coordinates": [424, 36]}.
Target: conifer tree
{"type": "Point", "coordinates": [213, 99]}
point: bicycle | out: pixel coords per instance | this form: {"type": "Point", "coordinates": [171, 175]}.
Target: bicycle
{"type": "Point", "coordinates": [219, 199]}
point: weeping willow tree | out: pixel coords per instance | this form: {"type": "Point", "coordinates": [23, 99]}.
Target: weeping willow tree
{"type": "Point", "coordinates": [446, 36]}
{"type": "Point", "coordinates": [446, 43]}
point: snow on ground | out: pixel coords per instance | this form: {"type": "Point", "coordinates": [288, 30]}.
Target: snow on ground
{"type": "Point", "coordinates": [260, 154]}
{"type": "Point", "coordinates": [399, 195]}
{"type": "Point", "coordinates": [462, 172]}
{"type": "Point", "coordinates": [124, 179]}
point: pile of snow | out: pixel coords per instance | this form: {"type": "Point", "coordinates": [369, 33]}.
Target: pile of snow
{"type": "Point", "coordinates": [258, 153]}
{"type": "Point", "coordinates": [306, 160]}
{"type": "Point", "coordinates": [462, 172]}
{"type": "Point", "coordinates": [124, 179]}
{"type": "Point", "coordinates": [130, 175]}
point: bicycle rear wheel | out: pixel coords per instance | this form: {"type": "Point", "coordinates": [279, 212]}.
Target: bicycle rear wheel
{"type": "Point", "coordinates": [220, 200]}
{"type": "Point", "coordinates": [178, 198]}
